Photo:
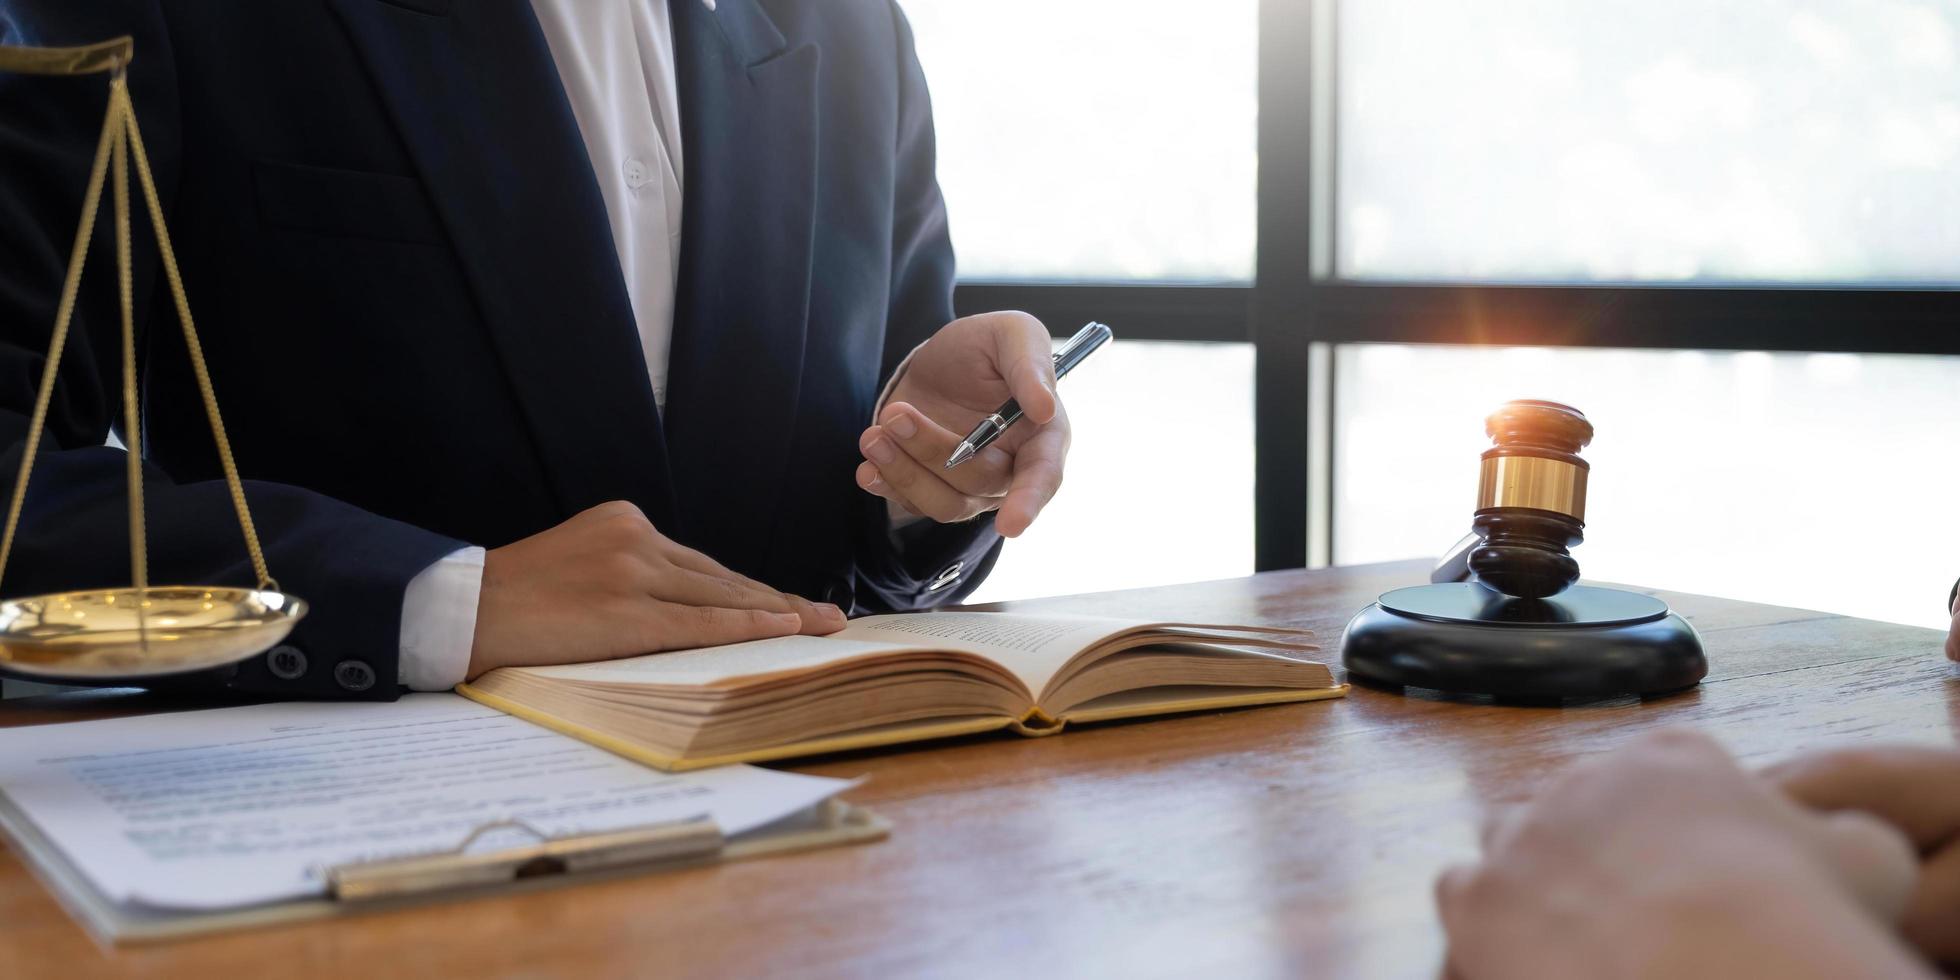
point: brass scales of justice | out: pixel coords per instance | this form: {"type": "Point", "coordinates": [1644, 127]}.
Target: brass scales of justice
{"type": "Point", "coordinates": [143, 631]}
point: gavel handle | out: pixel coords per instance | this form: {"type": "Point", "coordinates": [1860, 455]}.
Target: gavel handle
{"type": "Point", "coordinates": [1455, 566]}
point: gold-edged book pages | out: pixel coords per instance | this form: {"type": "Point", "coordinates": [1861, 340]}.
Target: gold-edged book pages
{"type": "Point", "coordinates": [886, 680]}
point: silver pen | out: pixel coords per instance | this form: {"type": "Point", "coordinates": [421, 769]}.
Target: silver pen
{"type": "Point", "coordinates": [1080, 346]}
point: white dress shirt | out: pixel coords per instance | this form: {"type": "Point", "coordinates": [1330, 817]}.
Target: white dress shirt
{"type": "Point", "coordinates": [616, 60]}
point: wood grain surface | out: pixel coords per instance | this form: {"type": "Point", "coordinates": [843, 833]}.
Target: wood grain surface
{"type": "Point", "coordinates": [1289, 840]}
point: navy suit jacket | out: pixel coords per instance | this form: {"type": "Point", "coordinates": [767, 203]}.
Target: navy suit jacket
{"type": "Point", "coordinates": [407, 289]}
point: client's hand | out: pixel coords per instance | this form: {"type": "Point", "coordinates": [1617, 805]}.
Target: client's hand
{"type": "Point", "coordinates": [606, 584]}
{"type": "Point", "coordinates": [953, 381]}
{"type": "Point", "coordinates": [1665, 859]}
{"type": "Point", "coordinates": [1917, 790]}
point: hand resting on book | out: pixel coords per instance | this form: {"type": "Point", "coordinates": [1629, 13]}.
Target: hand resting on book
{"type": "Point", "coordinates": [607, 584]}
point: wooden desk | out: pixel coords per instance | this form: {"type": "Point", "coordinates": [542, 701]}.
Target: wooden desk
{"type": "Point", "coordinates": [1299, 839]}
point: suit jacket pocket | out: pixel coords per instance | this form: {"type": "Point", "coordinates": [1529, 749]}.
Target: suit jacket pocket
{"type": "Point", "coordinates": [345, 203]}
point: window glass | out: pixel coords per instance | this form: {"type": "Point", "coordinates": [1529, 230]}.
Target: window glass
{"type": "Point", "coordinates": [1154, 494]}
{"type": "Point", "coordinates": [1095, 139]}
{"type": "Point", "coordinates": [1664, 140]}
{"type": "Point", "coordinates": [1823, 481]}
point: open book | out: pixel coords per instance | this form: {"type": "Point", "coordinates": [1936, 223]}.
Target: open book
{"type": "Point", "coordinates": [903, 678]}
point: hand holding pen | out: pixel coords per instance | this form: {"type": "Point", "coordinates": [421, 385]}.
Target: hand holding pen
{"type": "Point", "coordinates": [1079, 347]}
{"type": "Point", "coordinates": [960, 376]}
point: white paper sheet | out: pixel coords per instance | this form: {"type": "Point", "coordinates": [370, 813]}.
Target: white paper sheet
{"type": "Point", "coordinates": [238, 806]}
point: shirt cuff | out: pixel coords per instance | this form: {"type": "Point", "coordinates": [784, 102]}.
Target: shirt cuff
{"type": "Point", "coordinates": [894, 516]}
{"type": "Point", "coordinates": [439, 621]}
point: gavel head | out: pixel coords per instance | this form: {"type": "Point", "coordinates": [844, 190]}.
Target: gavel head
{"type": "Point", "coordinates": [1531, 500]}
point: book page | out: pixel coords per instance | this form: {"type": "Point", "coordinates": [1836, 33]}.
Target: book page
{"type": "Point", "coordinates": [714, 665]}
{"type": "Point", "coordinates": [1030, 647]}
{"type": "Point", "coordinates": [1033, 648]}
{"type": "Point", "coordinates": [237, 806]}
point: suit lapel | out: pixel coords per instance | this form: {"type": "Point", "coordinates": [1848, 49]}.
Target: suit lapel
{"type": "Point", "coordinates": [749, 128]}
{"type": "Point", "coordinates": [476, 98]}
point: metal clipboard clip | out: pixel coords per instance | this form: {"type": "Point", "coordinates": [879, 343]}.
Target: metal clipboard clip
{"type": "Point", "coordinates": [669, 843]}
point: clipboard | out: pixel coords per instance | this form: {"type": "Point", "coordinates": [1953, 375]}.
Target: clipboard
{"type": "Point", "coordinates": [405, 882]}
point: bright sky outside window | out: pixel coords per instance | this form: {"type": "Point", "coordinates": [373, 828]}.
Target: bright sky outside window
{"type": "Point", "coordinates": [1095, 139]}
{"type": "Point", "coordinates": [1667, 140]}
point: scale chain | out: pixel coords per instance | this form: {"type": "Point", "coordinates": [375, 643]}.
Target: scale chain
{"type": "Point", "coordinates": [196, 349]}
{"type": "Point", "coordinates": [124, 289]}
{"type": "Point", "coordinates": [139, 565]}
{"type": "Point", "coordinates": [121, 140]}
{"type": "Point", "coordinates": [64, 312]}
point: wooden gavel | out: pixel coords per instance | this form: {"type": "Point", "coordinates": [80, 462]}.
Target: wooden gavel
{"type": "Point", "coordinates": [1531, 499]}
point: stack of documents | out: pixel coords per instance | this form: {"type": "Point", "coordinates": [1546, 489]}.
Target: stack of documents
{"type": "Point", "coordinates": [145, 826]}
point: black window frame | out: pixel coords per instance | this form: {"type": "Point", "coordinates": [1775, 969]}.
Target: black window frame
{"type": "Point", "coordinates": [1296, 312]}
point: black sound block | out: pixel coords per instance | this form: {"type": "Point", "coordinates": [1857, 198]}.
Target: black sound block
{"type": "Point", "coordinates": [1465, 638]}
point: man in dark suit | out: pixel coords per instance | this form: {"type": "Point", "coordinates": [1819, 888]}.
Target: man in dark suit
{"type": "Point", "coordinates": [545, 330]}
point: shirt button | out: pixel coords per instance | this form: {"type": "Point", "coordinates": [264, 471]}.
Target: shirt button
{"type": "Point", "coordinates": [353, 675]}
{"type": "Point", "coordinates": [637, 173]}
{"type": "Point", "coordinates": [286, 662]}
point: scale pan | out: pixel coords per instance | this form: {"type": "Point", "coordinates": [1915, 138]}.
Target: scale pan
{"type": "Point", "coordinates": [92, 636]}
